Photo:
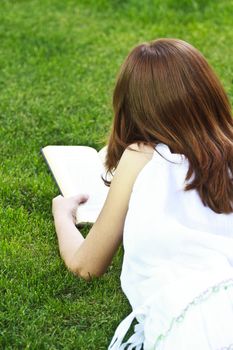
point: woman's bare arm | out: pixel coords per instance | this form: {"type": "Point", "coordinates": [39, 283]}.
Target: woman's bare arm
{"type": "Point", "coordinates": [91, 256]}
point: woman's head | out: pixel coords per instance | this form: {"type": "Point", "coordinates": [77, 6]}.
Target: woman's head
{"type": "Point", "coordinates": [166, 92]}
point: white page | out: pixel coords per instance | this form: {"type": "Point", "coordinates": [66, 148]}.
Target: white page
{"type": "Point", "coordinates": [78, 170]}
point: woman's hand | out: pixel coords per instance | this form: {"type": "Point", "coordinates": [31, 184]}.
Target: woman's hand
{"type": "Point", "coordinates": [66, 207]}
{"type": "Point", "coordinates": [69, 237]}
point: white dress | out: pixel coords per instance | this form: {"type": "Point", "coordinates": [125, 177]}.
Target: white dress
{"type": "Point", "coordinates": [177, 270]}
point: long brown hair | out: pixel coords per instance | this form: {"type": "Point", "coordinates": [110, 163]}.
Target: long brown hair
{"type": "Point", "coordinates": [167, 92]}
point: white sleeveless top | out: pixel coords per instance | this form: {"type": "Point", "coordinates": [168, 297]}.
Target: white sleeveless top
{"type": "Point", "coordinates": [176, 251]}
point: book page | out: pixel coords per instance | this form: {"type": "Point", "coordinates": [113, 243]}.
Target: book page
{"type": "Point", "coordinates": [78, 170]}
{"type": "Point", "coordinates": [102, 154]}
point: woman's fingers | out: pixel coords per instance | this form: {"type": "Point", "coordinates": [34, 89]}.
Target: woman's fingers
{"type": "Point", "coordinates": [63, 206]}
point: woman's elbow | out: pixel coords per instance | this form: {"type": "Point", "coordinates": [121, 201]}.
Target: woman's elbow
{"type": "Point", "coordinates": [83, 272]}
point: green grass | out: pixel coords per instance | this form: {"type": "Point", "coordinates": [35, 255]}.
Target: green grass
{"type": "Point", "coordinates": [58, 63]}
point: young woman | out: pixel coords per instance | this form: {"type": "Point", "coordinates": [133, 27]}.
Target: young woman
{"type": "Point", "coordinates": [170, 202]}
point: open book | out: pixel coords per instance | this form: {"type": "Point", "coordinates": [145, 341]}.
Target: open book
{"type": "Point", "coordinates": [78, 170]}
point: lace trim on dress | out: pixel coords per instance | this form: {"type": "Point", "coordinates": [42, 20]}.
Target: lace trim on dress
{"type": "Point", "coordinates": [229, 347]}
{"type": "Point", "coordinates": [199, 299]}
{"type": "Point", "coordinates": [136, 341]}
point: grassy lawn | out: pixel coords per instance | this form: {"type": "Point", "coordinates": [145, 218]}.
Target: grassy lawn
{"type": "Point", "coordinates": [58, 63]}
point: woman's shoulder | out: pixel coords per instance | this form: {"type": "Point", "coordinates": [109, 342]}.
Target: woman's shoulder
{"type": "Point", "coordinates": [133, 160]}
{"type": "Point", "coordinates": [141, 147]}
{"type": "Point", "coordinates": [140, 150]}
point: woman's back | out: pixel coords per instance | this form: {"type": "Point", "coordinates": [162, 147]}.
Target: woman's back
{"type": "Point", "coordinates": [178, 264]}
{"type": "Point", "coordinates": [176, 249]}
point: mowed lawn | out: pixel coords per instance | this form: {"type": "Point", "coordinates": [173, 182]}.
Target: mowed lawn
{"type": "Point", "coordinates": [58, 65]}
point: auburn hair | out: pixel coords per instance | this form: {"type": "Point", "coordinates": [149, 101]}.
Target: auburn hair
{"type": "Point", "coordinates": [166, 92]}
